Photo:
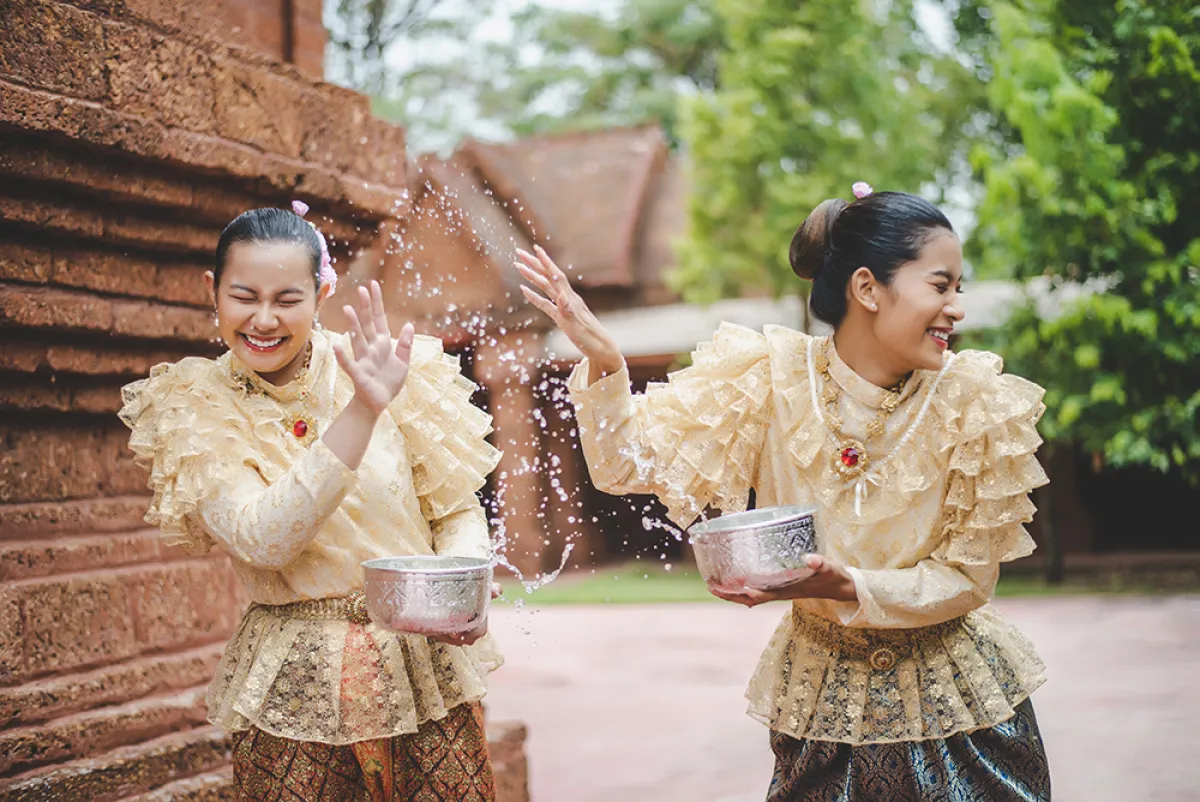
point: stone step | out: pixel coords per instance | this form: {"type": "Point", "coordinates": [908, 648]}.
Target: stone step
{"type": "Point", "coordinates": [211, 786]}
{"type": "Point", "coordinates": [125, 771]}
{"type": "Point", "coordinates": [73, 737]}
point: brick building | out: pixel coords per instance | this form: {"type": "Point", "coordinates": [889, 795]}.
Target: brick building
{"type": "Point", "coordinates": [131, 132]}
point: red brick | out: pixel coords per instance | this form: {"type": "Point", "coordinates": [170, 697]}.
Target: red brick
{"type": "Point", "coordinates": [27, 263]}
{"type": "Point", "coordinates": [39, 307]}
{"type": "Point", "coordinates": [157, 321]}
{"type": "Point", "coordinates": [105, 271]}
{"type": "Point", "coordinates": [118, 181]}
{"type": "Point", "coordinates": [37, 112]}
{"type": "Point", "coordinates": [116, 514]}
{"type": "Point", "coordinates": [183, 603]}
{"type": "Point", "coordinates": [44, 215]}
{"type": "Point", "coordinates": [22, 357]}
{"type": "Point", "coordinates": [17, 395]}
{"type": "Point", "coordinates": [28, 559]}
{"type": "Point", "coordinates": [13, 627]}
{"type": "Point", "coordinates": [257, 107]}
{"type": "Point", "coordinates": [73, 622]}
{"type": "Point", "coordinates": [126, 770]}
{"type": "Point", "coordinates": [96, 400]}
{"type": "Point", "coordinates": [119, 362]}
{"type": "Point", "coordinates": [55, 47]}
{"type": "Point", "coordinates": [24, 748]}
{"type": "Point", "coordinates": [308, 46]}
{"type": "Point", "coordinates": [160, 77]}
{"type": "Point", "coordinates": [62, 696]}
{"type": "Point", "coordinates": [183, 284]}
{"type": "Point", "coordinates": [211, 786]}
{"type": "Point", "coordinates": [48, 463]}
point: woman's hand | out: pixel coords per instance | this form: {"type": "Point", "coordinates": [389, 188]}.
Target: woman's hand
{"type": "Point", "coordinates": [568, 311]}
{"type": "Point", "coordinates": [376, 365]}
{"type": "Point", "coordinates": [828, 581]}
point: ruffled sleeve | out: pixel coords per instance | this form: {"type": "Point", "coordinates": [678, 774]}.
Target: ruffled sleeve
{"type": "Point", "coordinates": [161, 413]}
{"type": "Point", "coordinates": [451, 457]}
{"type": "Point", "coordinates": [693, 441]}
{"type": "Point", "coordinates": [208, 481]}
{"type": "Point", "coordinates": [993, 469]}
{"type": "Point", "coordinates": [991, 421]}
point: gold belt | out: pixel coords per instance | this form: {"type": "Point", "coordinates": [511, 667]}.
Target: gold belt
{"type": "Point", "coordinates": [352, 608]}
{"type": "Point", "coordinates": [881, 648]}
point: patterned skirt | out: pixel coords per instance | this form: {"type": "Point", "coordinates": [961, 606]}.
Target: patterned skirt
{"type": "Point", "coordinates": [1005, 763]}
{"type": "Point", "coordinates": [444, 761]}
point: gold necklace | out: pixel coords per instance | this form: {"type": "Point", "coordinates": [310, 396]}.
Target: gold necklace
{"type": "Point", "coordinates": [302, 424]}
{"type": "Point", "coordinates": [851, 459]}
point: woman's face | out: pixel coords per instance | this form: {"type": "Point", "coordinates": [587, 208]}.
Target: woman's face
{"type": "Point", "coordinates": [266, 306]}
{"type": "Point", "coordinates": [918, 311]}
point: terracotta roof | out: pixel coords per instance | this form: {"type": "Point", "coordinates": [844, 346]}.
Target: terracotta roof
{"type": "Point", "coordinates": [580, 195]}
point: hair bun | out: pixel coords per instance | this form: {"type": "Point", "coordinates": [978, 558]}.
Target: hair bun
{"type": "Point", "coordinates": [810, 243]}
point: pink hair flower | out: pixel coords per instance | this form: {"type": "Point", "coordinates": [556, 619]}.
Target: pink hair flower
{"type": "Point", "coordinates": [325, 274]}
{"type": "Point", "coordinates": [861, 189]}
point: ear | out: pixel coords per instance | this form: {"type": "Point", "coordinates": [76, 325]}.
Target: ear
{"type": "Point", "coordinates": [323, 293]}
{"type": "Point", "coordinates": [210, 281]}
{"type": "Point", "coordinates": [864, 289]}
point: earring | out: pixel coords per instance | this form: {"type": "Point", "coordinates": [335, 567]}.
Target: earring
{"type": "Point", "coordinates": [874, 307]}
{"type": "Point", "coordinates": [317, 323]}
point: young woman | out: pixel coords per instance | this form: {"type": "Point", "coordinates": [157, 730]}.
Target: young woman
{"type": "Point", "coordinates": [890, 677]}
{"type": "Point", "coordinates": [302, 454]}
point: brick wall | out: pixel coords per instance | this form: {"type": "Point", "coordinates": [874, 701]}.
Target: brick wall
{"type": "Point", "coordinates": [130, 133]}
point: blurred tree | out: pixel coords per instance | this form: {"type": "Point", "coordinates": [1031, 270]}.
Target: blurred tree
{"type": "Point", "coordinates": [1095, 151]}
{"type": "Point", "coordinates": [429, 64]}
{"type": "Point", "coordinates": [594, 69]}
{"type": "Point", "coordinates": [812, 97]}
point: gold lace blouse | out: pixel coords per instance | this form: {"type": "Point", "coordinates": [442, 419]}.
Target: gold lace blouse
{"type": "Point", "coordinates": [226, 468]}
{"type": "Point", "coordinates": [923, 546]}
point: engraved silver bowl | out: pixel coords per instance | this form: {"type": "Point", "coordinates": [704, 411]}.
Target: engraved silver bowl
{"type": "Point", "coordinates": [759, 549]}
{"type": "Point", "coordinates": [428, 595]}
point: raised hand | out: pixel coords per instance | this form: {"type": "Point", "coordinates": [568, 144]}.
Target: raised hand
{"type": "Point", "coordinates": [568, 311]}
{"type": "Point", "coordinates": [376, 365]}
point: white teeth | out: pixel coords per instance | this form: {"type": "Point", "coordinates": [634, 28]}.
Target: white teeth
{"type": "Point", "coordinates": [257, 343]}
{"type": "Point", "coordinates": [944, 336]}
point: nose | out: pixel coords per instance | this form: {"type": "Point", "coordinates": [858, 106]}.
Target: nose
{"type": "Point", "coordinates": [264, 317]}
{"type": "Point", "coordinates": [954, 309]}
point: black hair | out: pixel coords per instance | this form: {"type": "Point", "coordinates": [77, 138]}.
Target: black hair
{"type": "Point", "coordinates": [880, 232]}
{"type": "Point", "coordinates": [268, 225]}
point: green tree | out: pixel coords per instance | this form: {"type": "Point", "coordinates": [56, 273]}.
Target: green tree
{"type": "Point", "coordinates": [431, 65]}
{"type": "Point", "coordinates": [596, 70]}
{"type": "Point", "coordinates": [1096, 109]}
{"type": "Point", "coordinates": [812, 97]}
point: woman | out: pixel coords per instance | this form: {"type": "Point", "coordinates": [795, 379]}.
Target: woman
{"type": "Point", "coordinates": [890, 677]}
{"type": "Point", "coordinates": [303, 454]}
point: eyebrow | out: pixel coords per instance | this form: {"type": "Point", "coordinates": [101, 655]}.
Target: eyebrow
{"type": "Point", "coordinates": [946, 274]}
{"type": "Point", "coordinates": [244, 288]}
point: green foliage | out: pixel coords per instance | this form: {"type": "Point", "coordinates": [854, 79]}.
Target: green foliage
{"type": "Point", "coordinates": [813, 96]}
{"type": "Point", "coordinates": [1096, 107]}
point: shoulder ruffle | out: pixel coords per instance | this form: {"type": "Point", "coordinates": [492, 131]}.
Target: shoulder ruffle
{"type": "Point", "coordinates": [981, 428]}
{"type": "Point", "coordinates": [708, 425]}
{"type": "Point", "coordinates": [992, 418]}
{"type": "Point", "coordinates": [184, 432]}
{"type": "Point", "coordinates": [446, 433]}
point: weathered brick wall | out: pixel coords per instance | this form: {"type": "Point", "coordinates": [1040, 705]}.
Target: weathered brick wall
{"type": "Point", "coordinates": [129, 135]}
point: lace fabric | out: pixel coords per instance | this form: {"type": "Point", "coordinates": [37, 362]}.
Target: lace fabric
{"type": "Point", "coordinates": [924, 547]}
{"type": "Point", "coordinates": [226, 470]}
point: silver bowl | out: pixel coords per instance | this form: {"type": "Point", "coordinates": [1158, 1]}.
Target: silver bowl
{"type": "Point", "coordinates": [759, 549]}
{"type": "Point", "coordinates": [428, 595]}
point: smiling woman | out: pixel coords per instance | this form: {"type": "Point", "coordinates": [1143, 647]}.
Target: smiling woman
{"type": "Point", "coordinates": [303, 454]}
{"type": "Point", "coordinates": [889, 676]}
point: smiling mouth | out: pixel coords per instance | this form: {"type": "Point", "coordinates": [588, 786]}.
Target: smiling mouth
{"type": "Point", "coordinates": [262, 345]}
{"type": "Point", "coordinates": [940, 336]}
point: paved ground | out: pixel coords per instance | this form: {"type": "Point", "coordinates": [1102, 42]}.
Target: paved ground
{"type": "Point", "coordinates": [633, 704]}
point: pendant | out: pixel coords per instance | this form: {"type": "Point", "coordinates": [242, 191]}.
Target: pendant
{"type": "Point", "coordinates": [302, 428]}
{"type": "Point", "coordinates": [851, 460]}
